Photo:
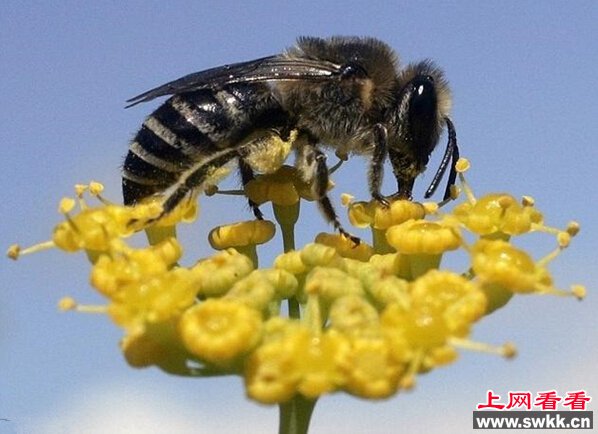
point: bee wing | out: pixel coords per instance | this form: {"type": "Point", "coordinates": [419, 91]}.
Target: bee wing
{"type": "Point", "coordinates": [272, 68]}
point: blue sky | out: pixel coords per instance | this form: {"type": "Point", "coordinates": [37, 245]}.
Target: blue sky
{"type": "Point", "coordinates": [523, 76]}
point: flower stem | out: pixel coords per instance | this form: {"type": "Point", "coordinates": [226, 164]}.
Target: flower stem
{"type": "Point", "coordinates": [287, 216]}
{"type": "Point", "coordinates": [295, 415]}
{"type": "Point", "coordinates": [294, 310]}
{"type": "Point", "coordinates": [381, 246]}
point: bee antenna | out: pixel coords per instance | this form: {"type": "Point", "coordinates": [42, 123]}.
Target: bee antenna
{"type": "Point", "coordinates": [450, 154]}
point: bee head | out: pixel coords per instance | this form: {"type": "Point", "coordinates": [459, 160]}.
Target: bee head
{"type": "Point", "coordinates": [424, 102]}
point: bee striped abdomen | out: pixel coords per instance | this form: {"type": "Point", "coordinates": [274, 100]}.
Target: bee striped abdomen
{"type": "Point", "coordinates": [186, 130]}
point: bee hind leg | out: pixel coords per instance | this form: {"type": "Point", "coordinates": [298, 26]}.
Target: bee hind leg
{"type": "Point", "coordinates": [193, 179]}
{"type": "Point", "coordinates": [311, 163]}
{"type": "Point", "coordinates": [247, 175]}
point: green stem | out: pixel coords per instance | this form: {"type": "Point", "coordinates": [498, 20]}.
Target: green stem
{"type": "Point", "coordinates": [287, 216]}
{"type": "Point", "coordinates": [288, 237]}
{"type": "Point", "coordinates": [295, 415]}
{"type": "Point", "coordinates": [381, 246]}
{"type": "Point", "coordinates": [251, 252]}
{"type": "Point", "coordinates": [421, 263]}
{"type": "Point", "coordinates": [156, 234]}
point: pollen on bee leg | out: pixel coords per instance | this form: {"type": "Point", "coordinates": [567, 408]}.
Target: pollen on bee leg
{"type": "Point", "coordinates": [508, 350]}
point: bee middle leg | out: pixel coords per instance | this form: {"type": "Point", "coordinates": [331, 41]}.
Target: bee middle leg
{"type": "Point", "coordinates": [311, 163]}
{"type": "Point", "coordinates": [376, 169]}
{"type": "Point", "coordinates": [247, 175]}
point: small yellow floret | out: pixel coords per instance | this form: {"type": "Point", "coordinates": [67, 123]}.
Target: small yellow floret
{"type": "Point", "coordinates": [13, 252]}
{"type": "Point", "coordinates": [291, 262]}
{"type": "Point", "coordinates": [95, 188]}
{"type": "Point", "coordinates": [347, 199]}
{"type": "Point", "coordinates": [241, 234]}
{"type": "Point", "coordinates": [346, 247]}
{"type": "Point", "coordinates": [67, 204]}
{"type": "Point", "coordinates": [364, 214]}
{"type": "Point", "coordinates": [528, 201]}
{"type": "Point", "coordinates": [67, 303]}
{"type": "Point", "coordinates": [564, 239]}
{"type": "Point", "coordinates": [218, 273]}
{"type": "Point", "coordinates": [457, 299]}
{"type": "Point", "coordinates": [423, 237]}
{"type": "Point", "coordinates": [219, 331]}
{"type": "Point", "coordinates": [462, 165]}
{"type": "Point", "coordinates": [156, 344]}
{"type": "Point", "coordinates": [254, 290]}
{"type": "Point", "coordinates": [313, 255]}
{"type": "Point", "coordinates": [269, 374]}
{"type": "Point", "coordinates": [573, 228]}
{"type": "Point", "coordinates": [153, 299]}
{"type": "Point", "coordinates": [497, 213]}
{"type": "Point", "coordinates": [579, 291]}
{"type": "Point", "coordinates": [285, 284]}
{"type": "Point", "coordinates": [80, 189]}
{"type": "Point", "coordinates": [499, 262]}
{"type": "Point", "coordinates": [398, 212]}
{"type": "Point", "coordinates": [370, 369]}
{"type": "Point", "coordinates": [331, 283]}
{"type": "Point", "coordinates": [283, 187]}
{"type": "Point", "coordinates": [353, 315]}
{"type": "Point", "coordinates": [318, 362]}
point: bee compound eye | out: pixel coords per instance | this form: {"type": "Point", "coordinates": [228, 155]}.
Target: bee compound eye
{"type": "Point", "coordinates": [353, 70]}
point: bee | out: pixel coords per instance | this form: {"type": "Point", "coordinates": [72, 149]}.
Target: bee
{"type": "Point", "coordinates": [349, 94]}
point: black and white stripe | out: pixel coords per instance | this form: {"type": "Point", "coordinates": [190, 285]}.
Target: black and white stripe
{"type": "Point", "coordinates": [191, 130]}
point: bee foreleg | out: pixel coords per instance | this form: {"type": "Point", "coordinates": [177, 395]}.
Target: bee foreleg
{"type": "Point", "coordinates": [311, 163]}
{"type": "Point", "coordinates": [246, 176]}
{"type": "Point", "coordinates": [404, 173]}
{"type": "Point", "coordinates": [376, 169]}
{"type": "Point", "coordinates": [450, 154]}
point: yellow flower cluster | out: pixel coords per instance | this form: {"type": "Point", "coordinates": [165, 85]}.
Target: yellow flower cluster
{"type": "Point", "coordinates": [330, 316]}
